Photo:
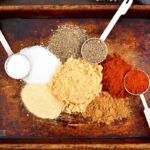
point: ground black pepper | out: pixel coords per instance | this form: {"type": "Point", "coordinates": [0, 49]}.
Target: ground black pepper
{"type": "Point", "coordinates": [94, 51]}
{"type": "Point", "coordinates": [66, 41]}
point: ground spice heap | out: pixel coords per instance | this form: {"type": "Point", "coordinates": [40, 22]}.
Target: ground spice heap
{"type": "Point", "coordinates": [136, 82]}
{"type": "Point", "coordinates": [105, 109]}
{"type": "Point", "coordinates": [114, 70]}
{"type": "Point", "coordinates": [77, 82]}
{"type": "Point", "coordinates": [94, 51]}
{"type": "Point", "coordinates": [43, 64]}
{"type": "Point", "coordinates": [39, 101]}
{"type": "Point", "coordinates": [66, 42]}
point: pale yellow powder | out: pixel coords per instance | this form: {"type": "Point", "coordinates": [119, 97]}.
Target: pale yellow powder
{"type": "Point", "coordinates": [77, 83]}
{"type": "Point", "coordinates": [73, 108]}
{"type": "Point", "coordinates": [39, 101]}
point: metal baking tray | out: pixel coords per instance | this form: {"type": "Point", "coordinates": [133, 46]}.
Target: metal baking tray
{"type": "Point", "coordinates": [30, 25]}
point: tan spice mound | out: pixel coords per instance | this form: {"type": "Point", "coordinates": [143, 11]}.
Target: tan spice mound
{"type": "Point", "coordinates": [77, 81]}
{"type": "Point", "coordinates": [74, 108]}
{"type": "Point", "coordinates": [39, 101]}
{"type": "Point", "coordinates": [66, 41]}
{"type": "Point", "coordinates": [106, 109]}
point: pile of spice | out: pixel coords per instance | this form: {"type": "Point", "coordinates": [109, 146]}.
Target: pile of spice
{"type": "Point", "coordinates": [74, 108]}
{"type": "Point", "coordinates": [66, 42]}
{"type": "Point", "coordinates": [114, 70]}
{"type": "Point", "coordinates": [43, 64]}
{"type": "Point", "coordinates": [105, 109]}
{"type": "Point", "coordinates": [94, 51]}
{"type": "Point", "coordinates": [136, 82]}
{"type": "Point", "coordinates": [39, 101]}
{"type": "Point", "coordinates": [77, 82]}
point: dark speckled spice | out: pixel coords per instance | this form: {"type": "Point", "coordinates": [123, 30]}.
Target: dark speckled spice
{"type": "Point", "coordinates": [94, 51]}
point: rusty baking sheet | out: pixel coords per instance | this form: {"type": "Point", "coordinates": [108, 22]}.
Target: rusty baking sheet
{"type": "Point", "coordinates": [130, 38]}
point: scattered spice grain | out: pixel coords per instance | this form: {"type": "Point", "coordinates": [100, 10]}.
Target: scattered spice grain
{"type": "Point", "coordinates": [66, 41]}
{"type": "Point", "coordinates": [94, 51]}
{"type": "Point", "coordinates": [136, 82]}
{"type": "Point", "coordinates": [105, 109]}
{"type": "Point", "coordinates": [114, 70]}
{"type": "Point", "coordinates": [77, 81]}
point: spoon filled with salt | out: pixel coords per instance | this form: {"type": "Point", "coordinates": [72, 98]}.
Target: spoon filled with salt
{"type": "Point", "coordinates": [94, 50]}
{"type": "Point", "coordinates": [17, 66]}
{"type": "Point", "coordinates": [137, 83]}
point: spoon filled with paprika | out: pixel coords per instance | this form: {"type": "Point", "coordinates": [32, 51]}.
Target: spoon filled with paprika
{"type": "Point", "coordinates": [137, 83]}
{"type": "Point", "coordinates": [94, 50]}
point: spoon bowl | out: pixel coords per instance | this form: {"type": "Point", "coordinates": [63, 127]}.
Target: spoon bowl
{"type": "Point", "coordinates": [146, 108]}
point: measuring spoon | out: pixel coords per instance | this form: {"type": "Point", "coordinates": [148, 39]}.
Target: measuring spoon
{"type": "Point", "coordinates": [17, 66]}
{"type": "Point", "coordinates": [146, 108]}
{"type": "Point", "coordinates": [102, 48]}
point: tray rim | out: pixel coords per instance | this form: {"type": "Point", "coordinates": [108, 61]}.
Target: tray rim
{"type": "Point", "coordinates": [69, 7]}
{"type": "Point", "coordinates": [56, 11]}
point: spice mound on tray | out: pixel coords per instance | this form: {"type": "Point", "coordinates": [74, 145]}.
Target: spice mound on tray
{"type": "Point", "coordinates": [77, 81]}
{"type": "Point", "coordinates": [105, 109]}
{"type": "Point", "coordinates": [39, 101]}
{"type": "Point", "coordinates": [66, 41]}
{"type": "Point", "coordinates": [114, 70]}
{"type": "Point", "coordinates": [43, 64]}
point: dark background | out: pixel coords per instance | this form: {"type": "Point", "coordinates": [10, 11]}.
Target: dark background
{"type": "Point", "coordinates": [61, 2]}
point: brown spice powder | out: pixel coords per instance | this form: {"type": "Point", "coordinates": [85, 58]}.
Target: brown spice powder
{"type": "Point", "coordinates": [106, 109]}
{"type": "Point", "coordinates": [66, 42]}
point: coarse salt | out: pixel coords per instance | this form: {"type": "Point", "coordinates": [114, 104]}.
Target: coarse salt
{"type": "Point", "coordinates": [43, 64]}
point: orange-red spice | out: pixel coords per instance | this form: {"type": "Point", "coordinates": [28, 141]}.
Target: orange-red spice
{"type": "Point", "coordinates": [136, 82]}
{"type": "Point", "coordinates": [114, 70]}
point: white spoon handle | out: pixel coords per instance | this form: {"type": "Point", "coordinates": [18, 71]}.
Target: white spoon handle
{"type": "Point", "coordinates": [143, 101]}
{"type": "Point", "coordinates": [147, 115]}
{"type": "Point", "coordinates": [5, 44]}
{"type": "Point", "coordinates": [146, 109]}
{"type": "Point", "coordinates": [121, 11]}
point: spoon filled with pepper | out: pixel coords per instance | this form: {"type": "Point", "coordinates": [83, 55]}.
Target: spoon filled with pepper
{"type": "Point", "coordinates": [94, 50]}
{"type": "Point", "coordinates": [137, 83]}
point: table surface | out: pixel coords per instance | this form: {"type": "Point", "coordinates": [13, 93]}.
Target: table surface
{"type": "Point", "coordinates": [55, 2]}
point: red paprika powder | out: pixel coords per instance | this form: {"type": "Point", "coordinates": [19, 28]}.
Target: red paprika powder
{"type": "Point", "coordinates": [136, 82]}
{"type": "Point", "coordinates": [114, 70]}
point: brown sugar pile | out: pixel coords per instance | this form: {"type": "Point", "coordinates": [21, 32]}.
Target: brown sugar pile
{"type": "Point", "coordinates": [77, 81]}
{"type": "Point", "coordinates": [66, 42]}
{"type": "Point", "coordinates": [105, 109]}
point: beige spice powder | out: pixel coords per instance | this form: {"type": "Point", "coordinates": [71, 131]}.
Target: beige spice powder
{"type": "Point", "coordinates": [106, 109]}
{"type": "Point", "coordinates": [77, 82]}
{"type": "Point", "coordinates": [66, 41]}
{"type": "Point", "coordinates": [40, 102]}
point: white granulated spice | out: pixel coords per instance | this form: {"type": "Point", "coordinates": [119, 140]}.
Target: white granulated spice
{"type": "Point", "coordinates": [17, 66]}
{"type": "Point", "coordinates": [43, 64]}
{"type": "Point", "coordinates": [39, 101]}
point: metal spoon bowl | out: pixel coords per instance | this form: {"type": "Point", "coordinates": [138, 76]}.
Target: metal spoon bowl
{"type": "Point", "coordinates": [22, 65]}
{"type": "Point", "coordinates": [146, 108]}
{"type": "Point", "coordinates": [94, 57]}
{"type": "Point", "coordinates": [136, 94]}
